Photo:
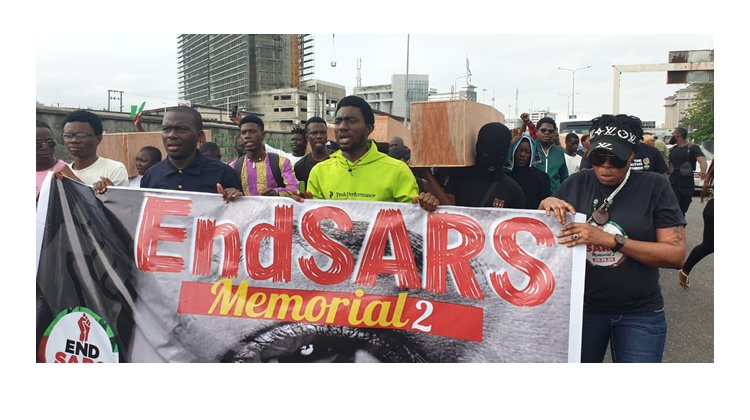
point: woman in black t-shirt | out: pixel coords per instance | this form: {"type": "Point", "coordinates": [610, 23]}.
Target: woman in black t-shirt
{"type": "Point", "coordinates": [634, 226]}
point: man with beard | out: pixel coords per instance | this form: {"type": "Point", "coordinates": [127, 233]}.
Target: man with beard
{"type": "Point", "coordinates": [551, 157]}
{"type": "Point", "coordinates": [358, 171]}
{"type": "Point", "coordinates": [484, 184]}
{"type": "Point", "coordinates": [316, 133]}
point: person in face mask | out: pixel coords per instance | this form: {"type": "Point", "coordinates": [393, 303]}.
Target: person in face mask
{"type": "Point", "coordinates": [484, 184]}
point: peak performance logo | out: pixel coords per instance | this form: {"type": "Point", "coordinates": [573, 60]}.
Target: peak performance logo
{"type": "Point", "coordinates": [78, 335]}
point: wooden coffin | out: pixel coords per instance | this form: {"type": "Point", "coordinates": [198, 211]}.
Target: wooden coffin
{"type": "Point", "coordinates": [123, 147]}
{"type": "Point", "coordinates": [444, 133]}
{"type": "Point", "coordinates": [386, 128]}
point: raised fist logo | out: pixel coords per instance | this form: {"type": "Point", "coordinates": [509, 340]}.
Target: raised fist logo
{"type": "Point", "coordinates": [84, 323]}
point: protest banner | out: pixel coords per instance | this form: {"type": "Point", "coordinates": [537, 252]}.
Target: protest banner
{"type": "Point", "coordinates": [143, 275]}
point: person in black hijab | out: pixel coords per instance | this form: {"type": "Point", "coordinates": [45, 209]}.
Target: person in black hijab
{"type": "Point", "coordinates": [484, 184]}
{"type": "Point", "coordinates": [534, 183]}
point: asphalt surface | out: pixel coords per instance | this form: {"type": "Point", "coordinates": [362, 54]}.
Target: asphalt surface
{"type": "Point", "coordinates": [690, 312]}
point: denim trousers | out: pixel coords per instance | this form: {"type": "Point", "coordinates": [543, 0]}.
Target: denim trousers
{"type": "Point", "coordinates": [634, 338]}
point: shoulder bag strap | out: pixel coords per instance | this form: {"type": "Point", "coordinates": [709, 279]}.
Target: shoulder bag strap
{"type": "Point", "coordinates": [273, 160]}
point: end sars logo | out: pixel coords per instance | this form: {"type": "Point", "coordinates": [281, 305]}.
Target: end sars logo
{"type": "Point", "coordinates": [78, 335]}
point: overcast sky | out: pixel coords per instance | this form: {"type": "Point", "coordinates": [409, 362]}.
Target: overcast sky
{"type": "Point", "coordinates": [144, 67]}
{"type": "Point", "coordinates": [77, 58]}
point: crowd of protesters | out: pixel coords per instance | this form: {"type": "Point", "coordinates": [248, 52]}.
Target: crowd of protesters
{"type": "Point", "coordinates": [634, 202]}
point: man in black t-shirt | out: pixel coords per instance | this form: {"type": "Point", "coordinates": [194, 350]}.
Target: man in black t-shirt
{"type": "Point", "coordinates": [485, 184]}
{"type": "Point", "coordinates": [682, 160]}
{"type": "Point", "coordinates": [316, 131]}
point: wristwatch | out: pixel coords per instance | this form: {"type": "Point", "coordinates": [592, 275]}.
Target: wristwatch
{"type": "Point", "coordinates": [619, 242]}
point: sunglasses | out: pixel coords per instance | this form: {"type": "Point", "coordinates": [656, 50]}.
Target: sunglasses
{"type": "Point", "coordinates": [49, 143]}
{"type": "Point", "coordinates": [599, 159]}
{"type": "Point", "coordinates": [546, 130]}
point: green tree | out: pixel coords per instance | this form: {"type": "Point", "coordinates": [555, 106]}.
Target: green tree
{"type": "Point", "coordinates": [699, 117]}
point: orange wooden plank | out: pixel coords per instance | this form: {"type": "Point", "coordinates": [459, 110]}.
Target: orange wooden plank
{"type": "Point", "coordinates": [444, 133]}
{"type": "Point", "coordinates": [123, 147]}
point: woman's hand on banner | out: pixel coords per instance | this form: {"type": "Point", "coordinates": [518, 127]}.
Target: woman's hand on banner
{"type": "Point", "coordinates": [558, 206]}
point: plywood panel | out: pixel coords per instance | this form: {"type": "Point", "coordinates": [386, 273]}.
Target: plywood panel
{"type": "Point", "coordinates": [444, 133]}
{"type": "Point", "coordinates": [112, 147]}
{"type": "Point", "coordinates": [387, 128]}
{"type": "Point", "coordinates": [123, 147]}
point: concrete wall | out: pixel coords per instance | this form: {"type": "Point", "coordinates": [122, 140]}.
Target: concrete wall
{"type": "Point", "coordinates": [223, 135]}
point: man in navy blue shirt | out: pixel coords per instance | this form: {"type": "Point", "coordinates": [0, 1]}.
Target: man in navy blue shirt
{"type": "Point", "coordinates": [186, 168]}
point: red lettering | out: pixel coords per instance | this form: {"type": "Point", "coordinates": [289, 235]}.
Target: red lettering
{"type": "Point", "coordinates": [342, 263]}
{"type": "Point", "coordinates": [205, 232]}
{"type": "Point", "coordinates": [541, 280]}
{"type": "Point", "coordinates": [73, 359]}
{"type": "Point", "coordinates": [60, 357]}
{"type": "Point", "coordinates": [280, 269]}
{"type": "Point", "coordinates": [151, 232]}
{"type": "Point", "coordinates": [439, 257]}
{"type": "Point", "coordinates": [389, 223]}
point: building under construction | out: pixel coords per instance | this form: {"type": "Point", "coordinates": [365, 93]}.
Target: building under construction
{"type": "Point", "coordinates": [225, 70]}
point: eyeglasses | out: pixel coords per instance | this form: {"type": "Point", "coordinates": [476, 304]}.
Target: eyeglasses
{"type": "Point", "coordinates": [49, 143]}
{"type": "Point", "coordinates": [598, 159]}
{"type": "Point", "coordinates": [78, 136]}
{"type": "Point", "coordinates": [546, 130]}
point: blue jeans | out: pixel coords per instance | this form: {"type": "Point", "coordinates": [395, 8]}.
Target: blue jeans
{"type": "Point", "coordinates": [635, 338]}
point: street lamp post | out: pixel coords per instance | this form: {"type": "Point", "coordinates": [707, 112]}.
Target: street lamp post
{"type": "Point", "coordinates": [408, 107]}
{"type": "Point", "coordinates": [572, 91]}
{"type": "Point", "coordinates": [567, 95]}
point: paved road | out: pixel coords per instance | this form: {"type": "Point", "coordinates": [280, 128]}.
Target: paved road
{"type": "Point", "coordinates": [690, 312]}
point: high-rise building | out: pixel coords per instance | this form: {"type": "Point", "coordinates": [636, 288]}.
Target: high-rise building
{"type": "Point", "coordinates": [676, 106]}
{"type": "Point", "coordinates": [225, 69]}
{"type": "Point", "coordinates": [395, 98]}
